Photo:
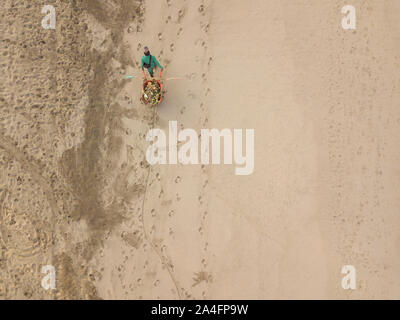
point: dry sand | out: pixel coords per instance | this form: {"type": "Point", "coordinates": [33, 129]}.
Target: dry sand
{"type": "Point", "coordinates": [76, 191]}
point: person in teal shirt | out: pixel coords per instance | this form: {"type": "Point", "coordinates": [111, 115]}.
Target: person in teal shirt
{"type": "Point", "coordinates": [150, 62]}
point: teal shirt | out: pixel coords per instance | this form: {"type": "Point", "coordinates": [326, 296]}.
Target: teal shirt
{"type": "Point", "coordinates": [154, 62]}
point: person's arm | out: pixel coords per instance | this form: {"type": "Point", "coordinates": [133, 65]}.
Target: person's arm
{"type": "Point", "coordinates": [142, 60]}
{"type": "Point", "coordinates": [157, 63]}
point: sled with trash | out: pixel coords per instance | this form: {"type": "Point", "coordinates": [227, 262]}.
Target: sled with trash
{"type": "Point", "coordinates": [152, 91]}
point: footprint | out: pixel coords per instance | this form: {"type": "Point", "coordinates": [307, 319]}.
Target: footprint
{"type": "Point", "coordinates": [169, 2]}
{"type": "Point", "coordinates": [177, 179]}
{"type": "Point", "coordinates": [172, 47]}
{"type": "Point", "coordinates": [181, 14]}
{"type": "Point", "coordinates": [139, 46]}
{"type": "Point", "coordinates": [159, 36]}
{"type": "Point", "coordinates": [201, 8]}
{"type": "Point", "coordinates": [179, 32]}
{"type": "Point", "coordinates": [168, 19]}
{"type": "Point", "coordinates": [171, 213]}
{"type": "Point", "coordinates": [191, 95]}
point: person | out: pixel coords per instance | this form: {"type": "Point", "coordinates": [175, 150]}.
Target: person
{"type": "Point", "coordinates": [150, 62]}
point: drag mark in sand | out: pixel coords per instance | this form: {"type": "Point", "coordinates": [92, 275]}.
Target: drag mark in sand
{"type": "Point", "coordinates": [163, 259]}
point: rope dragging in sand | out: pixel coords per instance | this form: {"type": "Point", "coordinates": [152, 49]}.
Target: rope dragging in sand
{"type": "Point", "coordinates": [129, 77]}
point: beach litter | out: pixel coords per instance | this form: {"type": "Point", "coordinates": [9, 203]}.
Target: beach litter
{"type": "Point", "coordinates": [152, 92]}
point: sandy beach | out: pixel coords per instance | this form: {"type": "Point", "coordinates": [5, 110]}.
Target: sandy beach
{"type": "Point", "coordinates": [76, 190]}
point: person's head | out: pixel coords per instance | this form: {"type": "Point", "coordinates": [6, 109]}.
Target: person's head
{"type": "Point", "coordinates": [146, 51]}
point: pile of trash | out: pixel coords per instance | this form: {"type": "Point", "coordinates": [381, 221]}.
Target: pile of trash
{"type": "Point", "coordinates": [152, 92]}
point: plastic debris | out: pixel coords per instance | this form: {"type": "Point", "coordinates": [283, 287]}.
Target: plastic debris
{"type": "Point", "coordinates": [152, 92]}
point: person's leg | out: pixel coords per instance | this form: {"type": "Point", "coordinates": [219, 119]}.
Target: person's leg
{"type": "Point", "coordinates": [151, 71]}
